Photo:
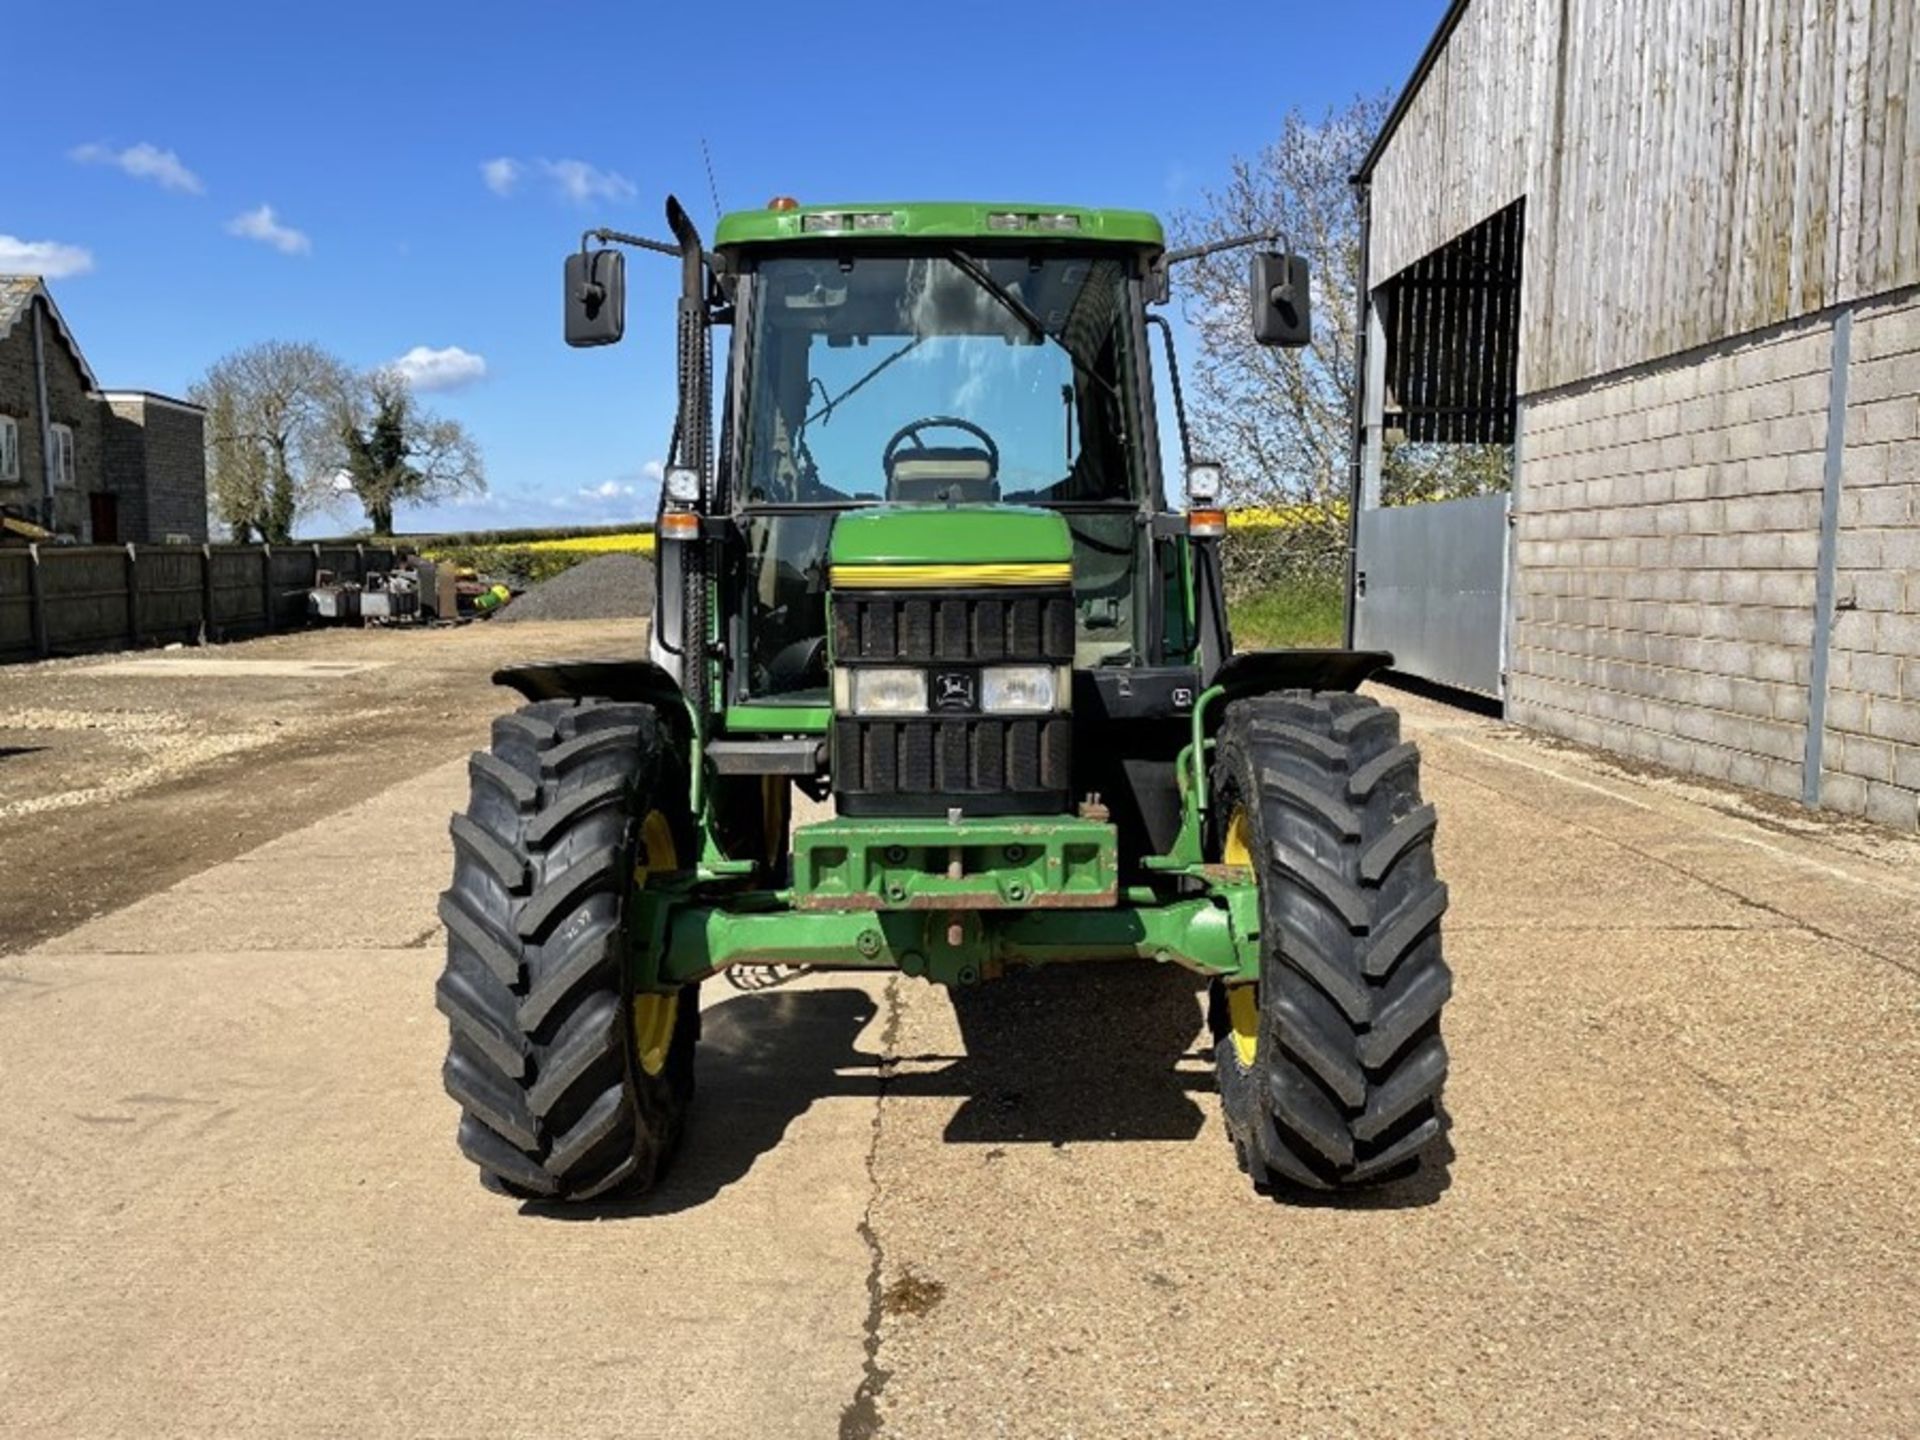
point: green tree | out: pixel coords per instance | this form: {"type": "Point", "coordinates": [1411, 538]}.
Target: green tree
{"type": "Point", "coordinates": [395, 449]}
{"type": "Point", "coordinates": [1413, 472]}
{"type": "Point", "coordinates": [272, 442]}
{"type": "Point", "coordinates": [1279, 419]}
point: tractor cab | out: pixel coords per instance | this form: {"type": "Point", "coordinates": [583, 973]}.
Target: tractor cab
{"type": "Point", "coordinates": [934, 377]}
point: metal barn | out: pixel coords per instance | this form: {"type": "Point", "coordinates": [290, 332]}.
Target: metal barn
{"type": "Point", "coordinates": [1667, 254]}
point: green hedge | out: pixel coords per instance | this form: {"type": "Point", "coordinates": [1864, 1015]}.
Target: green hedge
{"type": "Point", "coordinates": [518, 565]}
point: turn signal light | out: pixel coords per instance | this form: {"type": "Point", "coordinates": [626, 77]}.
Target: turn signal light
{"type": "Point", "coordinates": [1206, 524]}
{"type": "Point", "coordinates": [680, 525]}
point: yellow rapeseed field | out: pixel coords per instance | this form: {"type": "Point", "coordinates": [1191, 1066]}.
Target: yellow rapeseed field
{"type": "Point", "coordinates": [1286, 517]}
{"type": "Point", "coordinates": [640, 542]}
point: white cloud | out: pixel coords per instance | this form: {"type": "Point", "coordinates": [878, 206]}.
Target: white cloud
{"type": "Point", "coordinates": [425, 368]}
{"type": "Point", "coordinates": [502, 174]}
{"type": "Point", "coordinates": [48, 259]}
{"type": "Point", "coordinates": [143, 162]}
{"type": "Point", "coordinates": [582, 183]}
{"type": "Point", "coordinates": [606, 490]}
{"type": "Point", "coordinates": [573, 180]}
{"type": "Point", "coordinates": [653, 469]}
{"type": "Point", "coordinates": [263, 225]}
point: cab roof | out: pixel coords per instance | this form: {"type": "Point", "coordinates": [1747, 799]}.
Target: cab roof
{"type": "Point", "coordinates": [942, 220]}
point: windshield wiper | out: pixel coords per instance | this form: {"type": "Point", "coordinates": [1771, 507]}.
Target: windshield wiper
{"type": "Point", "coordinates": [825, 412]}
{"type": "Point", "coordinates": [1023, 312]}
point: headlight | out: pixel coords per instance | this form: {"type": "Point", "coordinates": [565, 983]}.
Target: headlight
{"type": "Point", "coordinates": [683, 484]}
{"type": "Point", "coordinates": [884, 692]}
{"type": "Point", "coordinates": [1019, 690]}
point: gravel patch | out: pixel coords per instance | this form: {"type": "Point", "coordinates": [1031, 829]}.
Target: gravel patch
{"type": "Point", "coordinates": [607, 587]}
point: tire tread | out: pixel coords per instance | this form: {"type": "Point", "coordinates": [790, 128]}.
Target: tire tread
{"type": "Point", "coordinates": [534, 988]}
{"type": "Point", "coordinates": [1345, 1088]}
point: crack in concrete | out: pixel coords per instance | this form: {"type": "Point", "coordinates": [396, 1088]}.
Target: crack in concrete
{"type": "Point", "coordinates": [860, 1420]}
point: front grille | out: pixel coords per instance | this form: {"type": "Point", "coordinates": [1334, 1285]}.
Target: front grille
{"type": "Point", "coordinates": [927, 765]}
{"type": "Point", "coordinates": [888, 628]}
{"type": "Point", "coordinates": [948, 762]}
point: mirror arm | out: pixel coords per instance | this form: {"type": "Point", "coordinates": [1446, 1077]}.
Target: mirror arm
{"type": "Point", "coordinates": [618, 237]}
{"type": "Point", "coordinates": [1162, 285]}
{"type": "Point", "coordinates": [722, 293]}
{"type": "Point", "coordinates": [1214, 247]}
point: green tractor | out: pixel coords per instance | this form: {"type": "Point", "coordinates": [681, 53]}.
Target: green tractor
{"type": "Point", "coordinates": [929, 573]}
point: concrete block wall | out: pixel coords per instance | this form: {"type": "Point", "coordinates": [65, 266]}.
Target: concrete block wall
{"type": "Point", "coordinates": [1871, 756]}
{"type": "Point", "coordinates": [156, 462]}
{"type": "Point", "coordinates": [1665, 564]}
{"type": "Point", "coordinates": [1667, 528]}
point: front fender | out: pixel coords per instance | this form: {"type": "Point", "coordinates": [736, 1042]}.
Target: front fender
{"type": "Point", "coordinates": [605, 679]}
{"type": "Point", "coordinates": [1259, 672]}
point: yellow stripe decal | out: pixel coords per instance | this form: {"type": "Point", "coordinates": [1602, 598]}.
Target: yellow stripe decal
{"type": "Point", "coordinates": [912, 577]}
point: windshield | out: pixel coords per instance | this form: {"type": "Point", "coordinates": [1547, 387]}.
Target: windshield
{"type": "Point", "coordinates": [938, 378]}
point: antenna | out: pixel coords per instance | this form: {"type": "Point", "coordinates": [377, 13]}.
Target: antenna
{"type": "Point", "coordinates": [712, 188]}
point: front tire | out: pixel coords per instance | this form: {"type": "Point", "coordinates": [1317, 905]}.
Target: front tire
{"type": "Point", "coordinates": [570, 1086]}
{"type": "Point", "coordinates": [1331, 1068]}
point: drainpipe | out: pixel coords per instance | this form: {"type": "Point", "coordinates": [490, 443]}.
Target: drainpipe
{"type": "Point", "coordinates": [1356, 483]}
{"type": "Point", "coordinates": [46, 421]}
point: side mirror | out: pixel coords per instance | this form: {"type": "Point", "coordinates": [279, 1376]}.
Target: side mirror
{"type": "Point", "coordinates": [596, 299]}
{"type": "Point", "coordinates": [1281, 295]}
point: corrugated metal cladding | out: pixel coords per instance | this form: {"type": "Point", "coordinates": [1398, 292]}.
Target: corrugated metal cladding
{"type": "Point", "coordinates": [1693, 169]}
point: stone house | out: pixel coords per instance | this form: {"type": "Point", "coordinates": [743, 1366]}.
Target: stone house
{"type": "Point", "coordinates": [103, 466]}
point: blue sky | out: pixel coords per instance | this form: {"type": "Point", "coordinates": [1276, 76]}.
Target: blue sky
{"type": "Point", "coordinates": [142, 159]}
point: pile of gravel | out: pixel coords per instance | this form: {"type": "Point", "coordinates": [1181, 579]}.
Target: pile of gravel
{"type": "Point", "coordinates": [607, 587]}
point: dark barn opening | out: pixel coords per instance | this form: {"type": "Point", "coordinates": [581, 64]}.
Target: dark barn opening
{"type": "Point", "coordinates": [1452, 326]}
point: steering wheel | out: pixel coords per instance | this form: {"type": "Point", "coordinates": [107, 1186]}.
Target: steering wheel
{"type": "Point", "coordinates": [912, 431]}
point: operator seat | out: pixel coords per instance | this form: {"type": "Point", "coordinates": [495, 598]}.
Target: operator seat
{"type": "Point", "coordinates": [943, 474]}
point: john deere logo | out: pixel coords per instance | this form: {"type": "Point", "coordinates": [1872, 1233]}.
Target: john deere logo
{"type": "Point", "coordinates": [955, 690]}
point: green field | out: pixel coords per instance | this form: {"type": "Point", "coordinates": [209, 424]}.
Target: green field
{"type": "Point", "coordinates": [1300, 611]}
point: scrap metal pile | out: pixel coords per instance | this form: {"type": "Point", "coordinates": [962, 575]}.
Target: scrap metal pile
{"type": "Point", "coordinates": [422, 593]}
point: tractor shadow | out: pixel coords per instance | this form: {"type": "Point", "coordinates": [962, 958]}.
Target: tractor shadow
{"type": "Point", "coordinates": [1064, 1055]}
{"type": "Point", "coordinates": [1072, 1055]}
{"type": "Point", "coordinates": [764, 1058]}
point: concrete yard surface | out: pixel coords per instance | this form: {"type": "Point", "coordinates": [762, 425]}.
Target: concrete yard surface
{"type": "Point", "coordinates": [121, 774]}
{"type": "Point", "coordinates": [1683, 1187]}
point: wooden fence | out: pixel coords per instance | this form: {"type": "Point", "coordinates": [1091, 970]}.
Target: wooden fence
{"type": "Point", "coordinates": [65, 600]}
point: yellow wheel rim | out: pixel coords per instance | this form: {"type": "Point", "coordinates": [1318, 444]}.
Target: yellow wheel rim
{"type": "Point", "coordinates": [653, 1022]}
{"type": "Point", "coordinates": [1243, 1001]}
{"type": "Point", "coordinates": [657, 850]}
{"type": "Point", "coordinates": [1238, 848]}
{"type": "Point", "coordinates": [654, 1014]}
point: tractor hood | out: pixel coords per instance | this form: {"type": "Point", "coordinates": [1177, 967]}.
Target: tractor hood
{"type": "Point", "coordinates": [949, 545]}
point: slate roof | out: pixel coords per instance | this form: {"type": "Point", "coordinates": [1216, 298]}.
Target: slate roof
{"type": "Point", "coordinates": [16, 293]}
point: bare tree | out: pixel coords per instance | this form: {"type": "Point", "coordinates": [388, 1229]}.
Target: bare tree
{"type": "Point", "coordinates": [273, 442]}
{"type": "Point", "coordinates": [1279, 419]}
{"type": "Point", "coordinates": [395, 449]}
